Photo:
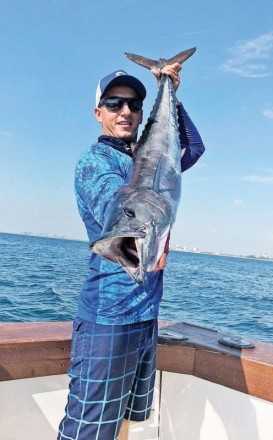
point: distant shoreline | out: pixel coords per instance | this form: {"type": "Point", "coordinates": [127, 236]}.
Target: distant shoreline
{"type": "Point", "coordinates": [219, 254]}
{"type": "Point", "coordinates": [189, 251]}
{"type": "Point", "coordinates": [55, 237]}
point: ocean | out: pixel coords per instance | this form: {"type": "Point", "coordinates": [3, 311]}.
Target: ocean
{"type": "Point", "coordinates": [40, 280]}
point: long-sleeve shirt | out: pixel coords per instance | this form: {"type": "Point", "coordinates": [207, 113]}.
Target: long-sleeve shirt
{"type": "Point", "coordinates": [109, 295]}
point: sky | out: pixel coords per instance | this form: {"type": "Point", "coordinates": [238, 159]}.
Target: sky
{"type": "Point", "coordinates": [53, 54]}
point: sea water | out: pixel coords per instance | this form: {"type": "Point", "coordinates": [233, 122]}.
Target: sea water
{"type": "Point", "coordinates": [40, 280]}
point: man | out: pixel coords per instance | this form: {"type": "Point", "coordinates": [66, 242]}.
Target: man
{"type": "Point", "coordinates": [115, 332]}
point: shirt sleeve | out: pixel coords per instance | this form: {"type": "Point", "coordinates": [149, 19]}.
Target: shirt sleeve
{"type": "Point", "coordinates": [190, 140]}
{"type": "Point", "coordinates": [98, 175]}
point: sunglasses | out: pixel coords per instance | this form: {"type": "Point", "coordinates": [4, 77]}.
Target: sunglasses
{"type": "Point", "coordinates": [115, 103]}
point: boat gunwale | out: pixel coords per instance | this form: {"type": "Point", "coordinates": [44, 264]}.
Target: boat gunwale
{"type": "Point", "coordinates": [43, 348]}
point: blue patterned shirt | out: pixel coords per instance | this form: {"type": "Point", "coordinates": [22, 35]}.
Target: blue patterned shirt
{"type": "Point", "coordinates": [109, 295]}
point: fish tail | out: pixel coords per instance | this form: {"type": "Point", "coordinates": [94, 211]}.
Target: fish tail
{"type": "Point", "coordinates": [159, 64]}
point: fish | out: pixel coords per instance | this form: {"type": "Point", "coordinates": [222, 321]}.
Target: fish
{"type": "Point", "coordinates": [142, 212]}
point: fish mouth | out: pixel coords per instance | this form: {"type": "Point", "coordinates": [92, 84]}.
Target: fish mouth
{"type": "Point", "coordinates": [136, 251]}
{"type": "Point", "coordinates": [121, 249]}
{"type": "Point", "coordinates": [129, 248]}
{"type": "Point", "coordinates": [125, 249]}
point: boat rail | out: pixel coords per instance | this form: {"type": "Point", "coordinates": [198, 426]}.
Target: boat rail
{"type": "Point", "coordinates": [43, 348]}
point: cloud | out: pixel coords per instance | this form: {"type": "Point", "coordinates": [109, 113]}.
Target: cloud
{"type": "Point", "coordinates": [252, 58]}
{"type": "Point", "coordinates": [238, 202]}
{"type": "Point", "coordinates": [268, 112]}
{"type": "Point", "coordinates": [6, 133]}
{"type": "Point", "coordinates": [258, 179]}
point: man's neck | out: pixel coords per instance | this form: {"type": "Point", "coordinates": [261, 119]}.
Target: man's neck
{"type": "Point", "coordinates": [117, 143]}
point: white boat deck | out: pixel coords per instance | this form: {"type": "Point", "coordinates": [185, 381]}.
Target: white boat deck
{"type": "Point", "coordinates": [32, 409]}
{"type": "Point", "coordinates": [190, 409]}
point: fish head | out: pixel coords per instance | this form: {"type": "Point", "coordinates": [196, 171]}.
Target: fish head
{"type": "Point", "coordinates": [135, 231]}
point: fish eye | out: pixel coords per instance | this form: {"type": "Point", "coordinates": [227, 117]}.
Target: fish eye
{"type": "Point", "coordinates": [129, 212]}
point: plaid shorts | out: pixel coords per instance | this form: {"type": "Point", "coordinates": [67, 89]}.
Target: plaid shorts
{"type": "Point", "coordinates": [112, 376]}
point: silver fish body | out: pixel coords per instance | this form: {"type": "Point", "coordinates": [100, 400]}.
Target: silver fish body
{"type": "Point", "coordinates": [141, 214]}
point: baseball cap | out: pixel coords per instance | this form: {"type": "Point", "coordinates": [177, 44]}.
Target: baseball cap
{"type": "Point", "coordinates": [119, 77]}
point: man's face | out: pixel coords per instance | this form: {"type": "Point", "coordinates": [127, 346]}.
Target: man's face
{"type": "Point", "coordinates": [122, 123]}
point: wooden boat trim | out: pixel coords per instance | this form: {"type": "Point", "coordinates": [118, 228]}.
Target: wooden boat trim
{"type": "Point", "coordinates": [43, 349]}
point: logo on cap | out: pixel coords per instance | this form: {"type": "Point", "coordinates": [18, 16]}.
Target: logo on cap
{"type": "Point", "coordinates": [120, 73]}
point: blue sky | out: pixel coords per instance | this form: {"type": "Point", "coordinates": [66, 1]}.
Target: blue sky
{"type": "Point", "coordinates": [54, 52]}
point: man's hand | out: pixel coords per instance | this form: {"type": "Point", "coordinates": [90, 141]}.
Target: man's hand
{"type": "Point", "coordinates": [161, 263]}
{"type": "Point", "coordinates": [172, 70]}
{"type": "Point", "coordinates": [163, 259]}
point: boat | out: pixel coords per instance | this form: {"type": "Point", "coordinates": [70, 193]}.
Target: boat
{"type": "Point", "coordinates": [209, 385]}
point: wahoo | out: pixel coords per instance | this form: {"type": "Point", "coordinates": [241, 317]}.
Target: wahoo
{"type": "Point", "coordinates": [141, 213]}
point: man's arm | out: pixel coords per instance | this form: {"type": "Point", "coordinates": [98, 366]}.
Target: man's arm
{"type": "Point", "coordinates": [98, 176]}
{"type": "Point", "coordinates": [190, 140]}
